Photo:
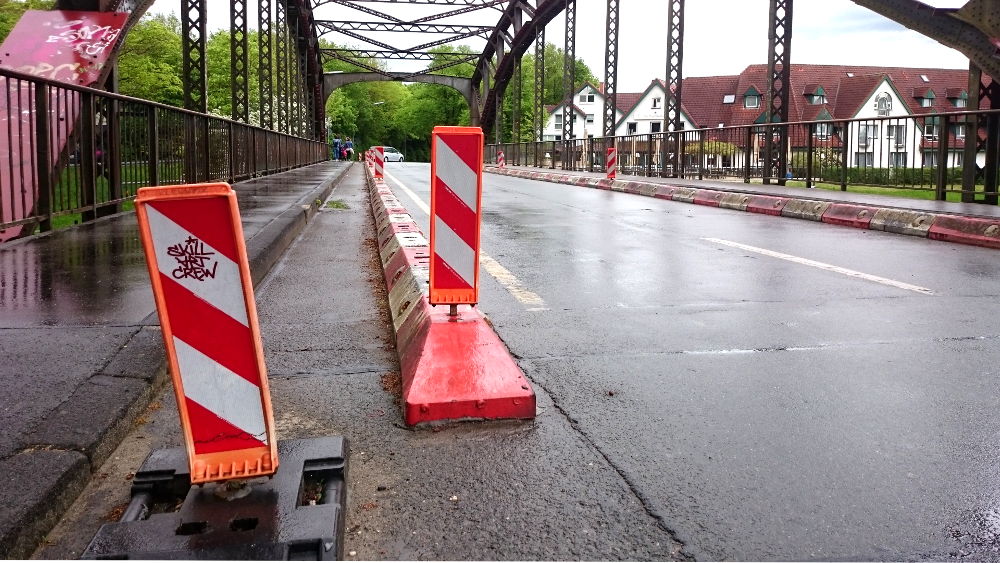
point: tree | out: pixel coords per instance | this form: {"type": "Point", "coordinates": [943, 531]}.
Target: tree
{"type": "Point", "coordinates": [12, 10]}
{"type": "Point", "coordinates": [149, 63]}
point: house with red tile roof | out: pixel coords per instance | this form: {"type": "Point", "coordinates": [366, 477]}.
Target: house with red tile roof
{"type": "Point", "coordinates": [587, 111]}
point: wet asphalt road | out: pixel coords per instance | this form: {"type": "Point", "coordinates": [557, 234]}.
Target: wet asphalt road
{"type": "Point", "coordinates": [762, 407]}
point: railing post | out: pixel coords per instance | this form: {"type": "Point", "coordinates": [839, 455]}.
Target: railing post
{"type": "Point", "coordinates": [810, 132]}
{"type": "Point", "coordinates": [845, 146]}
{"type": "Point", "coordinates": [232, 152]}
{"type": "Point", "coordinates": [154, 147]}
{"type": "Point", "coordinates": [88, 152]}
{"type": "Point", "coordinates": [701, 154]}
{"type": "Point", "coordinates": [990, 177]}
{"type": "Point", "coordinates": [112, 159]}
{"type": "Point", "coordinates": [942, 171]}
{"type": "Point", "coordinates": [649, 155]}
{"type": "Point", "coordinates": [43, 157]}
{"type": "Point", "coordinates": [206, 147]}
{"type": "Point", "coordinates": [747, 154]}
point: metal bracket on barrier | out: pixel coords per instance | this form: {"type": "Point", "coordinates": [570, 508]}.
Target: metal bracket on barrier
{"type": "Point", "coordinates": [298, 514]}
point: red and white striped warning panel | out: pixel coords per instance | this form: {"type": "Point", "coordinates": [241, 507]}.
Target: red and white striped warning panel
{"type": "Point", "coordinates": [501, 159]}
{"type": "Point", "coordinates": [456, 193]}
{"type": "Point", "coordinates": [204, 295]}
{"type": "Point", "coordinates": [378, 155]}
{"type": "Point", "coordinates": [612, 163]}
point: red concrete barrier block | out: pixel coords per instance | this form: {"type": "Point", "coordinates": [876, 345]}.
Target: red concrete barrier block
{"type": "Point", "coordinates": [805, 209]}
{"type": "Point", "coordinates": [766, 204]}
{"type": "Point", "coordinates": [604, 184]}
{"type": "Point", "coordinates": [710, 198]}
{"type": "Point", "coordinates": [633, 188]}
{"type": "Point", "coordinates": [857, 216]}
{"type": "Point", "coordinates": [966, 230]}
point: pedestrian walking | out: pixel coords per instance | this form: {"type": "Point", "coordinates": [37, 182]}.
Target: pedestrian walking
{"type": "Point", "coordinates": [336, 147]}
{"type": "Point", "coordinates": [350, 148]}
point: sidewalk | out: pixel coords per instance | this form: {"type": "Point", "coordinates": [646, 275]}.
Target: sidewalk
{"type": "Point", "coordinates": [963, 223]}
{"type": "Point", "coordinates": [81, 347]}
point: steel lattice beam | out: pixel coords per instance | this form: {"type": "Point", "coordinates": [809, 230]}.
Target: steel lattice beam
{"type": "Point", "coordinates": [281, 60]}
{"type": "Point", "coordinates": [238, 61]}
{"type": "Point", "coordinates": [540, 116]}
{"type": "Point", "coordinates": [194, 34]}
{"type": "Point", "coordinates": [403, 27]}
{"type": "Point", "coordinates": [397, 55]}
{"type": "Point", "coordinates": [265, 76]}
{"type": "Point", "coordinates": [673, 96]}
{"type": "Point", "coordinates": [611, 70]}
{"type": "Point", "coordinates": [569, 73]}
{"type": "Point", "coordinates": [779, 69]}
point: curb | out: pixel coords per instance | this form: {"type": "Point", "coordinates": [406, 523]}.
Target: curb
{"type": "Point", "coordinates": [29, 528]}
{"type": "Point", "coordinates": [453, 368]}
{"type": "Point", "coordinates": [961, 229]}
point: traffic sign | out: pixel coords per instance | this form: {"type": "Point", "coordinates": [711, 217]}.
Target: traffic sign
{"type": "Point", "coordinates": [193, 239]}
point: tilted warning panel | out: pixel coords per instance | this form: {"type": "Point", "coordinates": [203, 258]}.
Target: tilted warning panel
{"type": "Point", "coordinates": [201, 281]}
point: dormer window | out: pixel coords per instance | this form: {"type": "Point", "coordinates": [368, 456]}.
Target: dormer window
{"type": "Point", "coordinates": [960, 101]}
{"type": "Point", "coordinates": [883, 104]}
{"type": "Point", "coordinates": [751, 98]}
{"type": "Point", "coordinates": [815, 94]}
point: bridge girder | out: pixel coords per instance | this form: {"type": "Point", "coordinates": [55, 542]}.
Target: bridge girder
{"type": "Point", "coordinates": [946, 26]}
{"type": "Point", "coordinates": [334, 80]}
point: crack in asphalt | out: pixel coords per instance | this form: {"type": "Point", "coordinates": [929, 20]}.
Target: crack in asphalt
{"type": "Point", "coordinates": [633, 488]}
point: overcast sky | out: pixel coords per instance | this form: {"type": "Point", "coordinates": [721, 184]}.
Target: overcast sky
{"type": "Point", "coordinates": [721, 36]}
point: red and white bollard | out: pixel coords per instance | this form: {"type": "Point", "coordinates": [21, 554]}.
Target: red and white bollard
{"type": "Point", "coordinates": [501, 159]}
{"type": "Point", "coordinates": [378, 154]}
{"type": "Point", "coordinates": [612, 163]}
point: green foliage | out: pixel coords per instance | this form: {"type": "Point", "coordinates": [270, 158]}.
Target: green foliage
{"type": "Point", "coordinates": [11, 11]}
{"type": "Point", "coordinates": [149, 62]}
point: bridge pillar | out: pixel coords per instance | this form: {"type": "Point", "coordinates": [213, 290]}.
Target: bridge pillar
{"type": "Point", "coordinates": [675, 79]}
{"type": "Point", "coordinates": [779, 70]}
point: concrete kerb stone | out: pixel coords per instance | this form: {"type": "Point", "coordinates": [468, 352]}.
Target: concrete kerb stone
{"type": "Point", "coordinates": [809, 210]}
{"type": "Point", "coordinates": [903, 222]}
{"type": "Point", "coordinates": [945, 227]}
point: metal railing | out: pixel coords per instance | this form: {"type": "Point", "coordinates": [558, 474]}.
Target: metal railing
{"type": "Point", "coordinates": [69, 153]}
{"type": "Point", "coordinates": [935, 155]}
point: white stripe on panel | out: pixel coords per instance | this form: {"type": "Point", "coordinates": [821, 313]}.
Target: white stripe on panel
{"type": "Point", "coordinates": [453, 250]}
{"type": "Point", "coordinates": [224, 291]}
{"type": "Point", "coordinates": [229, 396]}
{"type": "Point", "coordinates": [454, 172]}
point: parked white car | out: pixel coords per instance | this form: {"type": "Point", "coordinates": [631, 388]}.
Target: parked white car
{"type": "Point", "coordinates": [392, 155]}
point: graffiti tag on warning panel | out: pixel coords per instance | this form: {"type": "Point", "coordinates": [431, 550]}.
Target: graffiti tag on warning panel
{"type": "Point", "coordinates": [193, 260]}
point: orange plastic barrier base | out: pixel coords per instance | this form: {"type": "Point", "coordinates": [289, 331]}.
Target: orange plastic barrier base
{"type": "Point", "coordinates": [458, 368]}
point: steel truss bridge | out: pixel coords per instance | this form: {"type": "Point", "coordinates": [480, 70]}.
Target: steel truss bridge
{"type": "Point", "coordinates": [293, 87]}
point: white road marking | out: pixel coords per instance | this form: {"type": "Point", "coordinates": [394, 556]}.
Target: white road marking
{"type": "Point", "coordinates": [503, 276]}
{"type": "Point", "coordinates": [823, 266]}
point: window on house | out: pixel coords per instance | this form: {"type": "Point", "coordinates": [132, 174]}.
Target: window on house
{"type": "Point", "coordinates": [931, 127]}
{"type": "Point", "coordinates": [823, 130]}
{"type": "Point", "coordinates": [960, 102]}
{"type": "Point", "coordinates": [632, 127]}
{"type": "Point", "coordinates": [883, 104]}
{"type": "Point", "coordinates": [817, 99]}
{"type": "Point", "coordinates": [752, 101]}
{"type": "Point", "coordinates": [897, 159]}
{"type": "Point", "coordinates": [924, 78]}
{"type": "Point", "coordinates": [721, 125]}
{"type": "Point", "coordinates": [850, 75]}
{"type": "Point", "coordinates": [864, 159]}
{"type": "Point", "coordinates": [866, 133]}
{"type": "Point", "coordinates": [559, 120]}
{"type": "Point", "coordinates": [729, 98]}
{"type": "Point", "coordinates": [586, 97]}
{"type": "Point", "coordinates": [657, 103]}
{"type": "Point", "coordinates": [926, 102]}
{"type": "Point", "coordinates": [590, 136]}
{"type": "Point", "coordinates": [930, 159]}
{"type": "Point", "coordinates": [958, 159]}
{"type": "Point", "coordinates": [654, 127]}
{"type": "Point", "coordinates": [590, 118]}
{"type": "Point", "coordinates": [897, 133]}
{"type": "Point", "coordinates": [958, 130]}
